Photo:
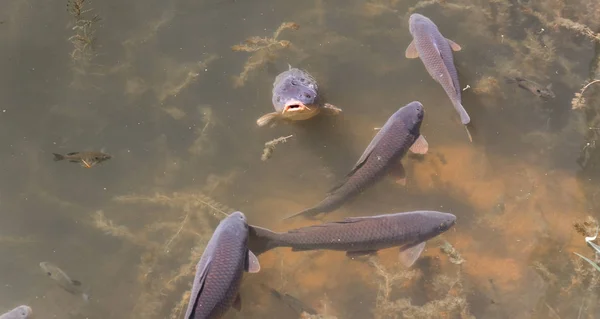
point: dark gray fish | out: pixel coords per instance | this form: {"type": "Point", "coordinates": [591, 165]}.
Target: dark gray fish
{"type": "Point", "coordinates": [220, 269]}
{"type": "Point", "coordinates": [360, 235]}
{"type": "Point", "coordinates": [86, 159]}
{"type": "Point", "coordinates": [533, 87]}
{"type": "Point", "coordinates": [435, 52]}
{"type": "Point", "coordinates": [295, 98]}
{"type": "Point", "coordinates": [294, 303]}
{"type": "Point", "coordinates": [400, 133]}
{"type": "Point", "coordinates": [20, 312]}
{"type": "Point", "coordinates": [63, 280]}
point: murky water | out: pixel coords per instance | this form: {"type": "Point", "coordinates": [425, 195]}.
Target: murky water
{"type": "Point", "coordinates": [157, 85]}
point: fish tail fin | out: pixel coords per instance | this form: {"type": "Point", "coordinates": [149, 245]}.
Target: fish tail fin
{"type": "Point", "coordinates": [509, 80]}
{"type": "Point", "coordinates": [308, 213]}
{"type": "Point", "coordinates": [58, 157]}
{"type": "Point", "coordinates": [464, 116]}
{"type": "Point", "coordinates": [261, 240]}
{"type": "Point", "coordinates": [267, 119]}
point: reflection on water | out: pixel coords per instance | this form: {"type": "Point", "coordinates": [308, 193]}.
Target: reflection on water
{"type": "Point", "coordinates": [157, 85]}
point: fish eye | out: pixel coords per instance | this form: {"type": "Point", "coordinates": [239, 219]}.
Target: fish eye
{"type": "Point", "coordinates": [294, 82]}
{"type": "Point", "coordinates": [49, 273]}
{"type": "Point", "coordinates": [302, 80]}
{"type": "Point", "coordinates": [308, 96]}
{"type": "Point", "coordinates": [538, 90]}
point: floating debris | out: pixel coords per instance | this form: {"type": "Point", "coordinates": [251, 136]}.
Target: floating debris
{"type": "Point", "coordinates": [270, 146]}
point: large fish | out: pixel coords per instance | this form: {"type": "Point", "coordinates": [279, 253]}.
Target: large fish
{"type": "Point", "coordinates": [20, 312]}
{"type": "Point", "coordinates": [400, 133]}
{"type": "Point", "coordinates": [360, 235]}
{"type": "Point", "coordinates": [295, 98]}
{"type": "Point", "coordinates": [436, 53]}
{"type": "Point", "coordinates": [220, 269]}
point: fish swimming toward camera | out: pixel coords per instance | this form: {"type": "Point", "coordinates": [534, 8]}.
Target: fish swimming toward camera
{"type": "Point", "coordinates": [398, 135]}
{"type": "Point", "coordinates": [220, 269]}
{"type": "Point", "coordinates": [295, 98]}
{"type": "Point", "coordinates": [20, 312]}
{"type": "Point", "coordinates": [435, 52]}
{"type": "Point", "coordinates": [63, 280]}
{"type": "Point", "coordinates": [544, 92]}
{"type": "Point", "coordinates": [359, 236]}
{"type": "Point", "coordinates": [86, 159]}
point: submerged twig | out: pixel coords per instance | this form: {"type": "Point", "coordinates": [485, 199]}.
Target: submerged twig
{"type": "Point", "coordinates": [579, 101]}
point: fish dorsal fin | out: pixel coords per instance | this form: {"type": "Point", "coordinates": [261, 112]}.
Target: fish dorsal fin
{"type": "Point", "coordinates": [411, 51]}
{"type": "Point", "coordinates": [252, 264]}
{"type": "Point", "coordinates": [327, 224]}
{"type": "Point", "coordinates": [237, 303]}
{"type": "Point", "coordinates": [201, 275]}
{"type": "Point", "coordinates": [76, 282]}
{"type": "Point", "coordinates": [73, 153]}
{"type": "Point", "coordinates": [420, 145]}
{"type": "Point", "coordinates": [454, 45]}
{"type": "Point", "coordinates": [369, 149]}
{"type": "Point", "coordinates": [409, 255]}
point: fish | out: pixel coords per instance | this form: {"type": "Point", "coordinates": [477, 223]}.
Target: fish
{"type": "Point", "coordinates": [63, 280]}
{"type": "Point", "coordinates": [533, 87]}
{"type": "Point", "coordinates": [86, 159]}
{"type": "Point", "coordinates": [20, 312]}
{"type": "Point", "coordinates": [398, 135]}
{"type": "Point", "coordinates": [292, 302]}
{"type": "Point", "coordinates": [220, 269]}
{"type": "Point", "coordinates": [435, 52]}
{"type": "Point", "coordinates": [295, 98]}
{"type": "Point", "coordinates": [360, 236]}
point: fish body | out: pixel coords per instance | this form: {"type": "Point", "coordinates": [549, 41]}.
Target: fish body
{"type": "Point", "coordinates": [220, 269]}
{"type": "Point", "coordinates": [295, 98]}
{"type": "Point", "coordinates": [400, 133]}
{"type": "Point", "coordinates": [20, 312]}
{"type": "Point", "coordinates": [544, 92]}
{"type": "Point", "coordinates": [86, 159]}
{"type": "Point", "coordinates": [63, 280]}
{"type": "Point", "coordinates": [435, 52]}
{"type": "Point", "coordinates": [360, 235]}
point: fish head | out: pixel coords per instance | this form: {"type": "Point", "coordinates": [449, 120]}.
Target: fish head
{"type": "Point", "coordinates": [418, 22]}
{"type": "Point", "coordinates": [48, 268]}
{"type": "Point", "coordinates": [101, 157]}
{"type": "Point", "coordinates": [429, 224]}
{"type": "Point", "coordinates": [295, 95]}
{"type": "Point", "coordinates": [412, 116]}
{"type": "Point", "coordinates": [446, 221]}
{"type": "Point", "coordinates": [545, 93]}
{"type": "Point", "coordinates": [21, 312]}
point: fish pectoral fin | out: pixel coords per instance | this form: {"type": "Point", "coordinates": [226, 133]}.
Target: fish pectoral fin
{"type": "Point", "coordinates": [420, 146]}
{"type": "Point", "coordinates": [549, 86]}
{"type": "Point", "coordinates": [268, 118]}
{"type": "Point", "coordinates": [411, 51]}
{"type": "Point", "coordinates": [76, 282]}
{"type": "Point", "coordinates": [360, 253]}
{"type": "Point", "coordinates": [399, 174]}
{"type": "Point", "coordinates": [252, 264]}
{"type": "Point", "coordinates": [454, 45]}
{"type": "Point", "coordinates": [408, 256]}
{"type": "Point", "coordinates": [237, 303]}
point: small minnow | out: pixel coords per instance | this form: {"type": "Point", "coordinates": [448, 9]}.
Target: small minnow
{"type": "Point", "coordinates": [533, 87]}
{"type": "Point", "coordinates": [63, 280]}
{"type": "Point", "coordinates": [86, 159]}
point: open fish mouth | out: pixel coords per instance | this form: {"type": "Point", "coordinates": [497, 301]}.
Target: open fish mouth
{"type": "Point", "coordinates": [295, 106]}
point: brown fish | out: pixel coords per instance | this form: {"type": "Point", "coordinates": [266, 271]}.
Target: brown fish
{"type": "Point", "coordinates": [86, 159]}
{"type": "Point", "coordinates": [544, 92]}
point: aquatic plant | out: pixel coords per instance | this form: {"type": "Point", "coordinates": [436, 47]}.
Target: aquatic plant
{"type": "Point", "coordinates": [270, 146]}
{"type": "Point", "coordinates": [590, 241]}
{"type": "Point", "coordinates": [83, 39]}
{"type": "Point", "coordinates": [579, 101]}
{"type": "Point", "coordinates": [263, 50]}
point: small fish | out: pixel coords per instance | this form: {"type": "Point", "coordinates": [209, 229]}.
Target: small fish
{"type": "Point", "coordinates": [295, 98]}
{"type": "Point", "coordinates": [533, 87]}
{"type": "Point", "coordinates": [435, 52]}
{"type": "Point", "coordinates": [220, 269]}
{"type": "Point", "coordinates": [63, 280]}
{"type": "Point", "coordinates": [86, 159]}
{"type": "Point", "coordinates": [359, 236]}
{"type": "Point", "coordinates": [399, 134]}
{"type": "Point", "coordinates": [296, 305]}
{"type": "Point", "coordinates": [20, 312]}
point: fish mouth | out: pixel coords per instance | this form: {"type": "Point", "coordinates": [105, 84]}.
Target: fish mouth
{"type": "Point", "coordinates": [294, 106]}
